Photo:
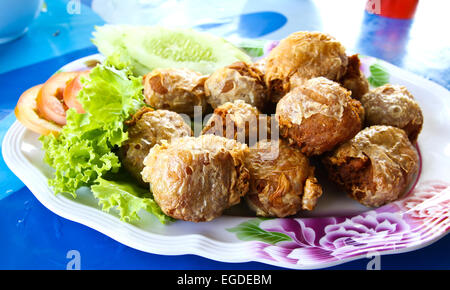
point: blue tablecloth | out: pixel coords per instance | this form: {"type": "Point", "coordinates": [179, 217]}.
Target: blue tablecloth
{"type": "Point", "coordinates": [32, 237]}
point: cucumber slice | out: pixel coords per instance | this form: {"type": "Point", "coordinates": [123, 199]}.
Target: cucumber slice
{"type": "Point", "coordinates": [144, 48]}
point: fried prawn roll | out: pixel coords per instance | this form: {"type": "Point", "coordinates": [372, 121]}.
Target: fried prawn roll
{"type": "Point", "coordinates": [238, 81]}
{"type": "Point", "coordinates": [196, 179]}
{"type": "Point", "coordinates": [393, 105]}
{"type": "Point", "coordinates": [239, 121]}
{"type": "Point", "coordinates": [301, 56]}
{"type": "Point", "coordinates": [178, 90]}
{"type": "Point", "coordinates": [318, 116]}
{"type": "Point", "coordinates": [147, 128]}
{"type": "Point", "coordinates": [354, 79]}
{"type": "Point", "coordinates": [376, 166]}
{"type": "Point", "coordinates": [282, 181]}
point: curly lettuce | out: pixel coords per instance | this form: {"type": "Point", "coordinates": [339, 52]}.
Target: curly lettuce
{"type": "Point", "coordinates": [83, 152]}
{"type": "Point", "coordinates": [126, 197]}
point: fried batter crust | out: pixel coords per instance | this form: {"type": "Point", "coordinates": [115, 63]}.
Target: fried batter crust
{"type": "Point", "coordinates": [282, 181]}
{"type": "Point", "coordinates": [376, 166]}
{"type": "Point", "coordinates": [318, 115]}
{"type": "Point", "coordinates": [195, 179]}
{"type": "Point", "coordinates": [354, 79]}
{"type": "Point", "coordinates": [304, 55]}
{"type": "Point", "coordinates": [177, 90]}
{"type": "Point", "coordinates": [239, 121]}
{"type": "Point", "coordinates": [147, 128]}
{"type": "Point", "coordinates": [238, 81]}
{"type": "Point", "coordinates": [393, 105]}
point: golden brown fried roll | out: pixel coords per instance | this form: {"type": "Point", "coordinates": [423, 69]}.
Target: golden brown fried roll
{"type": "Point", "coordinates": [282, 181]}
{"type": "Point", "coordinates": [238, 81]}
{"type": "Point", "coordinates": [300, 56]}
{"type": "Point", "coordinates": [260, 65]}
{"type": "Point", "coordinates": [376, 166]}
{"type": "Point", "coordinates": [147, 128]}
{"type": "Point", "coordinates": [195, 179]}
{"type": "Point", "coordinates": [239, 121]}
{"type": "Point", "coordinates": [393, 105]}
{"type": "Point", "coordinates": [177, 90]}
{"type": "Point", "coordinates": [318, 115]}
{"type": "Point", "coordinates": [354, 79]}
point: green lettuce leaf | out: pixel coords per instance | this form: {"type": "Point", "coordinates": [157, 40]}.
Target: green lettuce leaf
{"type": "Point", "coordinates": [83, 152]}
{"type": "Point", "coordinates": [378, 75]}
{"type": "Point", "coordinates": [127, 197]}
{"type": "Point", "coordinates": [77, 161]}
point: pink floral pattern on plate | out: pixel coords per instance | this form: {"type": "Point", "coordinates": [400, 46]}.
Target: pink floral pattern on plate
{"type": "Point", "coordinates": [416, 219]}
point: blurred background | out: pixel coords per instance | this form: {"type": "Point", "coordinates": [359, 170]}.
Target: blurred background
{"type": "Point", "coordinates": [408, 33]}
{"type": "Point", "coordinates": [37, 37]}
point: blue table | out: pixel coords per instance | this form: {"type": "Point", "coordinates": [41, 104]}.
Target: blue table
{"type": "Point", "coordinates": [32, 237]}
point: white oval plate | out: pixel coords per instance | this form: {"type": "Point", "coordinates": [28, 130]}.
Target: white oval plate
{"type": "Point", "coordinates": [337, 231]}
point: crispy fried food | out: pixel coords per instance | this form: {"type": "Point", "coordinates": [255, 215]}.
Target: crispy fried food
{"type": "Point", "coordinates": [238, 81]}
{"type": "Point", "coordinates": [260, 65]}
{"type": "Point", "coordinates": [147, 128]}
{"type": "Point", "coordinates": [282, 181]}
{"type": "Point", "coordinates": [354, 79]}
{"type": "Point", "coordinates": [318, 115]}
{"type": "Point", "coordinates": [301, 56]}
{"type": "Point", "coordinates": [195, 179]}
{"type": "Point", "coordinates": [177, 90]}
{"type": "Point", "coordinates": [376, 166]}
{"type": "Point", "coordinates": [393, 105]}
{"type": "Point", "coordinates": [239, 121]}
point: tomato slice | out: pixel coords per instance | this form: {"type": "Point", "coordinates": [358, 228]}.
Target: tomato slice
{"type": "Point", "coordinates": [71, 92]}
{"type": "Point", "coordinates": [26, 113]}
{"type": "Point", "coordinates": [50, 102]}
